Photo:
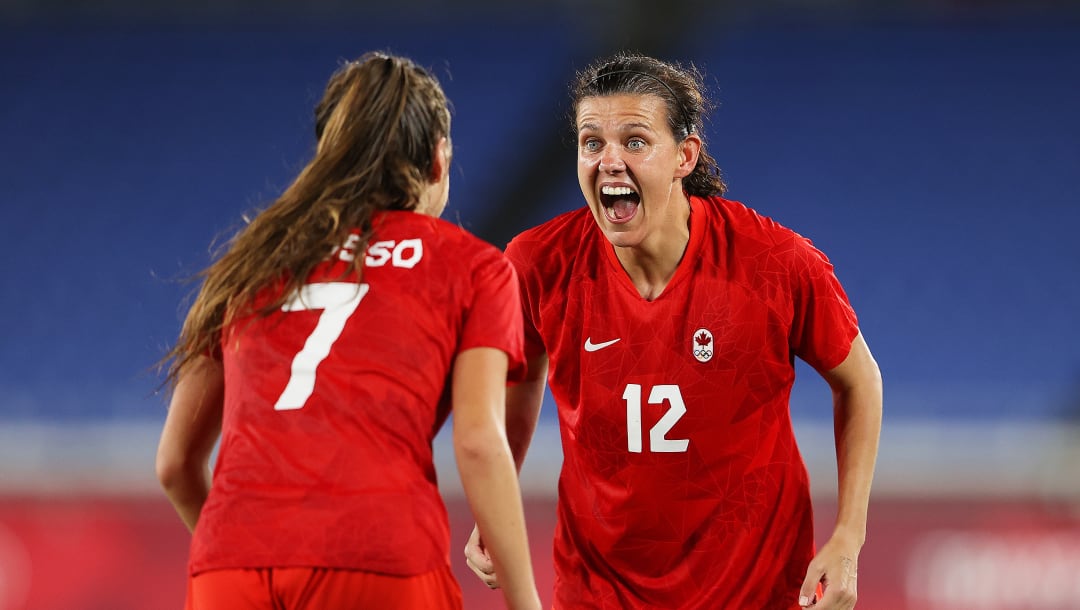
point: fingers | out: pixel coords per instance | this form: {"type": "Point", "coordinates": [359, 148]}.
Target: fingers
{"type": "Point", "coordinates": [838, 582]}
{"type": "Point", "coordinates": [485, 573]}
{"type": "Point", "coordinates": [833, 599]}
{"type": "Point", "coordinates": [478, 560]}
{"type": "Point", "coordinates": [808, 592]}
{"type": "Point", "coordinates": [840, 589]}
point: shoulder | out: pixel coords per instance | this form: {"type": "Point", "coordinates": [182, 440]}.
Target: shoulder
{"type": "Point", "coordinates": [436, 232]}
{"type": "Point", "coordinates": [553, 243]}
{"type": "Point", "coordinates": [742, 221]}
{"type": "Point", "coordinates": [446, 247]}
{"type": "Point", "coordinates": [745, 229]}
{"type": "Point", "coordinates": [563, 230]}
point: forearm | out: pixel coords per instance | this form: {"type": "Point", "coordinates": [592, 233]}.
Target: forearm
{"type": "Point", "coordinates": [857, 416]}
{"type": "Point", "coordinates": [523, 402]}
{"type": "Point", "coordinates": [191, 430]}
{"type": "Point", "coordinates": [187, 492]}
{"type": "Point", "coordinates": [491, 487]}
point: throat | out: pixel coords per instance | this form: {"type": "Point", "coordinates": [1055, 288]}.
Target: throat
{"type": "Point", "coordinates": [649, 281]}
{"type": "Point", "coordinates": [651, 271]}
{"type": "Point", "coordinates": [650, 292]}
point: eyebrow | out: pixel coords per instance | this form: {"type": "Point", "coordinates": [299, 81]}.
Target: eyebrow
{"type": "Point", "coordinates": [626, 127]}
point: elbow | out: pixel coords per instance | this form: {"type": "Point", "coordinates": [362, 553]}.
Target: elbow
{"type": "Point", "coordinates": [877, 385]}
{"type": "Point", "coordinates": [873, 378]}
{"type": "Point", "coordinates": [169, 471]}
{"type": "Point", "coordinates": [480, 446]}
{"type": "Point", "coordinates": [174, 471]}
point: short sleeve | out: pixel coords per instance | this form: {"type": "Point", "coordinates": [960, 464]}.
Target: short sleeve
{"type": "Point", "coordinates": [824, 323]}
{"type": "Point", "coordinates": [517, 252]}
{"type": "Point", "coordinates": [494, 316]}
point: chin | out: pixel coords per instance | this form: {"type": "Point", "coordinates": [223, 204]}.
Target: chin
{"type": "Point", "coordinates": [622, 237]}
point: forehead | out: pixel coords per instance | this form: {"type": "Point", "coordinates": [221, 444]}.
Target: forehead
{"type": "Point", "coordinates": [622, 109]}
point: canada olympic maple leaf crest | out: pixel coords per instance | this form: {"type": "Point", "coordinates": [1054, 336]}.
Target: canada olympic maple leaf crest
{"type": "Point", "coordinates": [701, 345]}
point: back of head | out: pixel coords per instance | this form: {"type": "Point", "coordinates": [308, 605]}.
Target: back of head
{"type": "Point", "coordinates": [377, 126]}
{"type": "Point", "coordinates": [680, 88]}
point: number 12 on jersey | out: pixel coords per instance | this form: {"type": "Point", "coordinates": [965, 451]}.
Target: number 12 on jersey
{"type": "Point", "coordinates": [338, 301]}
{"type": "Point", "coordinates": [658, 441]}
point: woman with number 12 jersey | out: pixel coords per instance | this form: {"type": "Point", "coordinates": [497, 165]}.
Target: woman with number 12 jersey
{"type": "Point", "coordinates": [326, 348]}
{"type": "Point", "coordinates": [670, 319]}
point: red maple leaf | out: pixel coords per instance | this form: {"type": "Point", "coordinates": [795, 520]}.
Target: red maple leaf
{"type": "Point", "coordinates": [703, 339]}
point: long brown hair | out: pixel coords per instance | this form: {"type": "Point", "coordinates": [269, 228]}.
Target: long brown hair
{"type": "Point", "coordinates": [680, 87]}
{"type": "Point", "coordinates": [377, 127]}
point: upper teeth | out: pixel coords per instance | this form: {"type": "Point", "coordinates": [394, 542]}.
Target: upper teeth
{"type": "Point", "coordinates": [616, 190]}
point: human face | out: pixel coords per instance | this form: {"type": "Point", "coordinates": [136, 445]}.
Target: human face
{"type": "Point", "coordinates": [630, 167]}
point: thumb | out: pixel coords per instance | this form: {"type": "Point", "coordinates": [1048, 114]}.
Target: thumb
{"type": "Point", "coordinates": [477, 553]}
{"type": "Point", "coordinates": [808, 593]}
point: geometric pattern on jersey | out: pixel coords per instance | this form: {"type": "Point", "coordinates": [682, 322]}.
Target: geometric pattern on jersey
{"type": "Point", "coordinates": [340, 474]}
{"type": "Point", "coordinates": [681, 486]}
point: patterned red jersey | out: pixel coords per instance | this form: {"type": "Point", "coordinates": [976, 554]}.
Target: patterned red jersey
{"type": "Point", "coordinates": [331, 404]}
{"type": "Point", "coordinates": [682, 486]}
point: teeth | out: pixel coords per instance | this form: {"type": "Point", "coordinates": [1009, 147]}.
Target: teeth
{"type": "Point", "coordinates": [616, 190]}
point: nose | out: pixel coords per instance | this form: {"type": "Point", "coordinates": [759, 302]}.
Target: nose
{"type": "Point", "coordinates": [611, 160]}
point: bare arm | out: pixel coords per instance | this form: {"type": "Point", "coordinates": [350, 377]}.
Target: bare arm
{"type": "Point", "coordinates": [191, 428]}
{"type": "Point", "coordinates": [488, 472]}
{"type": "Point", "coordinates": [523, 402]}
{"type": "Point", "coordinates": [857, 411]}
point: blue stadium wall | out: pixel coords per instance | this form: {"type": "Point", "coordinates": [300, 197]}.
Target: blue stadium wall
{"type": "Point", "coordinates": [935, 163]}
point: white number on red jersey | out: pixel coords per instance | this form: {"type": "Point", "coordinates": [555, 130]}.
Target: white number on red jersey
{"type": "Point", "coordinates": [658, 441]}
{"type": "Point", "coordinates": [338, 301]}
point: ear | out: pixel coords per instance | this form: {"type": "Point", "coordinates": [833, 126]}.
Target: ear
{"type": "Point", "coordinates": [440, 161]}
{"type": "Point", "coordinates": [689, 150]}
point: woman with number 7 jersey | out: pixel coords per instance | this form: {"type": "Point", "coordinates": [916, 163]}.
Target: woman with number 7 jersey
{"type": "Point", "coordinates": [325, 349]}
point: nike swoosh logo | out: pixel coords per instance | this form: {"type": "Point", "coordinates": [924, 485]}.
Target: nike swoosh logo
{"type": "Point", "coordinates": [592, 347]}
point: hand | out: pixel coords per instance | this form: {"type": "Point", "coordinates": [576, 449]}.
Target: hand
{"type": "Point", "coordinates": [836, 567]}
{"type": "Point", "coordinates": [479, 561]}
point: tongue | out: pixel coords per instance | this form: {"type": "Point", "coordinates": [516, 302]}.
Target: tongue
{"type": "Point", "coordinates": [623, 208]}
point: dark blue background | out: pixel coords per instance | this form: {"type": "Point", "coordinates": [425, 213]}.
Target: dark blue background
{"type": "Point", "coordinates": [935, 163]}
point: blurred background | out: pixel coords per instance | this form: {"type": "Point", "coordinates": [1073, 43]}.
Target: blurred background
{"type": "Point", "coordinates": [930, 147]}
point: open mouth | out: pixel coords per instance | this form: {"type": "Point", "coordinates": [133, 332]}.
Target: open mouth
{"type": "Point", "coordinates": [620, 203]}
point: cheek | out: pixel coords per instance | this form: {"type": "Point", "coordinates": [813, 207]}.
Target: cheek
{"type": "Point", "coordinates": [587, 163]}
{"type": "Point", "coordinates": [586, 173]}
{"type": "Point", "coordinates": [586, 169]}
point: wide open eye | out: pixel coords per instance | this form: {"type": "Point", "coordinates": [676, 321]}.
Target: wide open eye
{"type": "Point", "coordinates": [590, 145]}
{"type": "Point", "coordinates": [635, 144]}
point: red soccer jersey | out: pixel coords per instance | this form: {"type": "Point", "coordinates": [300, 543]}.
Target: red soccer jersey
{"type": "Point", "coordinates": [682, 486]}
{"type": "Point", "coordinates": [331, 405]}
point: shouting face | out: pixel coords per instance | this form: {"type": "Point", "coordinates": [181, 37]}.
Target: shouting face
{"type": "Point", "coordinates": [630, 167]}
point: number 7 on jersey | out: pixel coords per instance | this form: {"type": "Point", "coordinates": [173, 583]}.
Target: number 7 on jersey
{"type": "Point", "coordinates": [338, 301]}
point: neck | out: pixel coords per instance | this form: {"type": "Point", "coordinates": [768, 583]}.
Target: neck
{"type": "Point", "coordinates": [432, 200]}
{"type": "Point", "coordinates": [652, 263]}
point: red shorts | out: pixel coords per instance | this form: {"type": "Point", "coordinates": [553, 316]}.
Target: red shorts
{"type": "Point", "coordinates": [319, 588]}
